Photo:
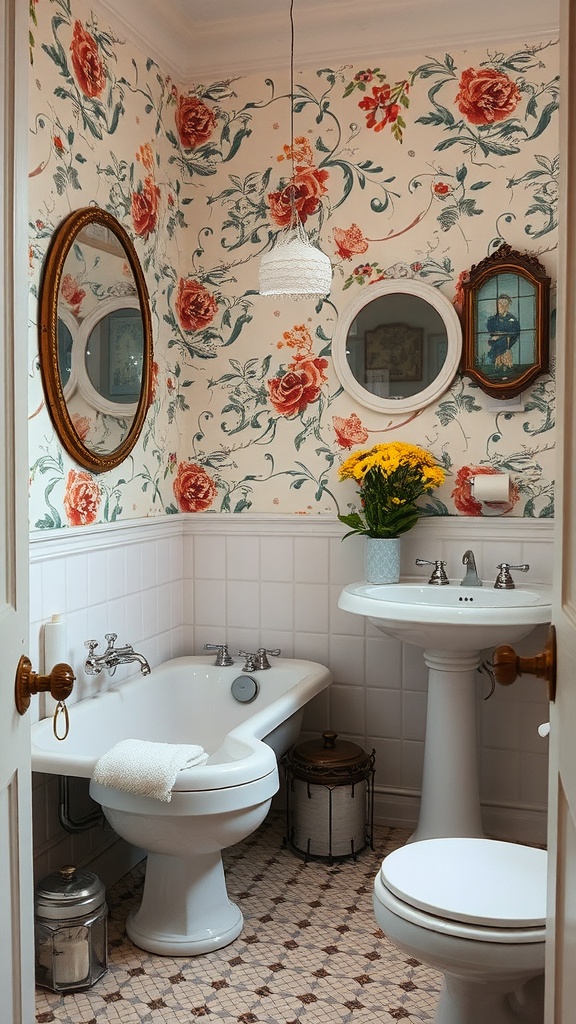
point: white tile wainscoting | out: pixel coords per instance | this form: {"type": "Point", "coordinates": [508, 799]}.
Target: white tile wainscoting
{"type": "Point", "coordinates": [169, 585]}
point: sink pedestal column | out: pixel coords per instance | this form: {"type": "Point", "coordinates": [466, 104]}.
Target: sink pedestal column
{"type": "Point", "coordinates": [450, 804]}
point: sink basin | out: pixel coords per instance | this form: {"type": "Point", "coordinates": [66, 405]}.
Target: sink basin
{"type": "Point", "coordinates": [451, 617]}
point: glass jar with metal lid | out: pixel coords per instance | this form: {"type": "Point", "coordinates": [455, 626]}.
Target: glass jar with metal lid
{"type": "Point", "coordinates": [329, 798]}
{"type": "Point", "coordinates": [71, 930]}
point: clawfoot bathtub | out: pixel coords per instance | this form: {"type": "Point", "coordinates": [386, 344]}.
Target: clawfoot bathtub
{"type": "Point", "coordinates": [185, 908]}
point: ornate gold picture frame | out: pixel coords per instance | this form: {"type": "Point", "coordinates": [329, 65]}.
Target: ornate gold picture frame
{"type": "Point", "coordinates": [506, 321]}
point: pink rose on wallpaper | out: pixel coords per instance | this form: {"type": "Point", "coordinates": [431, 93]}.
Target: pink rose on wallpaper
{"type": "Point", "coordinates": [72, 293]}
{"type": "Point", "coordinates": [302, 194]}
{"type": "Point", "coordinates": [194, 490]}
{"type": "Point", "coordinates": [349, 431]}
{"type": "Point", "coordinates": [195, 122]}
{"type": "Point", "coordinates": [349, 241]}
{"type": "Point", "coordinates": [486, 95]}
{"type": "Point", "coordinates": [81, 498]}
{"type": "Point", "coordinates": [462, 495]}
{"type": "Point", "coordinates": [195, 306]}
{"type": "Point", "coordinates": [88, 67]}
{"type": "Point", "coordinates": [144, 208]}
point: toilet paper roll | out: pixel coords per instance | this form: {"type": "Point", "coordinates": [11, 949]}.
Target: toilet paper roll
{"type": "Point", "coordinates": [492, 487]}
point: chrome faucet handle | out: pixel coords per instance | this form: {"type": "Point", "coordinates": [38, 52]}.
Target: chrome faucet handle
{"type": "Point", "coordinates": [438, 577]}
{"type": "Point", "coordinates": [111, 638]}
{"type": "Point", "coordinates": [262, 653]}
{"type": "Point", "coordinates": [504, 579]}
{"type": "Point", "coordinates": [251, 662]}
{"type": "Point", "coordinates": [222, 655]}
{"type": "Point", "coordinates": [91, 645]}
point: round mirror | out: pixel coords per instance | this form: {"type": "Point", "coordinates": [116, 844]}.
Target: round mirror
{"type": "Point", "coordinates": [95, 339]}
{"type": "Point", "coordinates": [397, 346]}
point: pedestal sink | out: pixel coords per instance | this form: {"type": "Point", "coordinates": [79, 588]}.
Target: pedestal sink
{"type": "Point", "coordinates": [452, 624]}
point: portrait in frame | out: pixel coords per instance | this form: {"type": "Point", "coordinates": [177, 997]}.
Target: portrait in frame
{"type": "Point", "coordinates": [396, 349]}
{"type": "Point", "coordinates": [506, 322]}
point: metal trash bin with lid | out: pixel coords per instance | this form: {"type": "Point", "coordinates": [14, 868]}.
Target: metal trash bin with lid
{"type": "Point", "coordinates": [329, 798]}
{"type": "Point", "coordinates": [70, 930]}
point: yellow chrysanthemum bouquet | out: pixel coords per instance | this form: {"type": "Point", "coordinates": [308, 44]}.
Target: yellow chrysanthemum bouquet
{"type": "Point", "coordinates": [390, 477]}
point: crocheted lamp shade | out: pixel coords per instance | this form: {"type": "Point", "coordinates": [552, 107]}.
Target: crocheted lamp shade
{"type": "Point", "coordinates": [296, 268]}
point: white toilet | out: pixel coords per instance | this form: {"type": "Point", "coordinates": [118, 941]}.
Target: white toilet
{"type": "Point", "coordinates": [475, 910]}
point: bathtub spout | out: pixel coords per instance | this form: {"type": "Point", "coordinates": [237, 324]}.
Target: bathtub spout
{"type": "Point", "coordinates": [112, 657]}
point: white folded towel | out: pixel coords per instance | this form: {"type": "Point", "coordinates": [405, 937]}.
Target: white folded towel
{"type": "Point", "coordinates": [145, 767]}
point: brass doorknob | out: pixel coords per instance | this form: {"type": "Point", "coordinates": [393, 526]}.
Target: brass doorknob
{"type": "Point", "coordinates": [59, 683]}
{"type": "Point", "coordinates": [507, 665]}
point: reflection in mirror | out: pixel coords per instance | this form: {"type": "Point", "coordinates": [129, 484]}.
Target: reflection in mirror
{"type": "Point", "coordinates": [95, 339]}
{"type": "Point", "coordinates": [397, 346]}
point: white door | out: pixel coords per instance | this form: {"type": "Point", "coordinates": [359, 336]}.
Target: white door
{"type": "Point", "coordinates": [16, 896]}
{"type": "Point", "coordinates": [561, 952]}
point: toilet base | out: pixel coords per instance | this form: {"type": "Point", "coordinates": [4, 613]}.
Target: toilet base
{"type": "Point", "coordinates": [463, 1001]}
{"type": "Point", "coordinates": [185, 909]}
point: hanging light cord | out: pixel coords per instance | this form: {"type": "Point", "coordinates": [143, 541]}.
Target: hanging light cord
{"type": "Point", "coordinates": [294, 216]}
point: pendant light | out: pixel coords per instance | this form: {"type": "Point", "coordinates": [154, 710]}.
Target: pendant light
{"type": "Point", "coordinates": [294, 267]}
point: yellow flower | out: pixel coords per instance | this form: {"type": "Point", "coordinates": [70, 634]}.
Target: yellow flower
{"type": "Point", "coordinates": [391, 477]}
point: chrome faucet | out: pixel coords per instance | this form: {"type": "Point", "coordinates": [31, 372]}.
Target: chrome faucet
{"type": "Point", "coordinates": [471, 578]}
{"type": "Point", "coordinates": [504, 579]}
{"type": "Point", "coordinates": [112, 657]}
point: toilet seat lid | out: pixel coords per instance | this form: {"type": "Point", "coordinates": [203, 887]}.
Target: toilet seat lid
{"type": "Point", "coordinates": [480, 881]}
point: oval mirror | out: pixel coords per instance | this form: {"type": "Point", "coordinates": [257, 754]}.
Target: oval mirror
{"type": "Point", "coordinates": [397, 346]}
{"type": "Point", "coordinates": [95, 339]}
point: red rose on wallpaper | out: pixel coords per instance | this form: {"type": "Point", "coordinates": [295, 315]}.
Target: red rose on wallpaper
{"type": "Point", "coordinates": [72, 293]}
{"type": "Point", "coordinates": [153, 383]}
{"type": "Point", "coordinates": [86, 62]}
{"type": "Point", "coordinates": [194, 490]}
{"type": "Point", "coordinates": [380, 110]}
{"type": "Point", "coordinates": [349, 242]}
{"type": "Point", "coordinates": [82, 425]}
{"type": "Point", "coordinates": [195, 122]}
{"type": "Point", "coordinates": [302, 193]}
{"type": "Point", "coordinates": [349, 431]}
{"type": "Point", "coordinates": [144, 208]}
{"type": "Point", "coordinates": [81, 498]}
{"type": "Point", "coordinates": [195, 306]}
{"type": "Point", "coordinates": [462, 495]}
{"type": "Point", "coordinates": [293, 391]}
{"type": "Point", "coordinates": [486, 95]}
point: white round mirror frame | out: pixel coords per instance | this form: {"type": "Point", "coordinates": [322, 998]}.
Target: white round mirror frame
{"type": "Point", "coordinates": [443, 379]}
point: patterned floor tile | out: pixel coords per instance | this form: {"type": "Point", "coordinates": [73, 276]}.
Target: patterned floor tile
{"type": "Point", "coordinates": [310, 952]}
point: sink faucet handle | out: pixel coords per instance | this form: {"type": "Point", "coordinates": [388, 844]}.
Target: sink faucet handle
{"type": "Point", "coordinates": [262, 656]}
{"type": "Point", "coordinates": [438, 577]}
{"type": "Point", "coordinates": [111, 638]}
{"type": "Point", "coordinates": [251, 661]}
{"type": "Point", "coordinates": [504, 579]}
{"type": "Point", "coordinates": [222, 654]}
{"type": "Point", "coordinates": [91, 645]}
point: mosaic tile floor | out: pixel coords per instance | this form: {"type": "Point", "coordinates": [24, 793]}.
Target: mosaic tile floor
{"type": "Point", "coordinates": [310, 951]}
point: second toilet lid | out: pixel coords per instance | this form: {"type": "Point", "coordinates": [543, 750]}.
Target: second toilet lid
{"type": "Point", "coordinates": [480, 881]}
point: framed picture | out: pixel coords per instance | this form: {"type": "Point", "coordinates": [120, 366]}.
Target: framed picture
{"type": "Point", "coordinates": [506, 322]}
{"type": "Point", "coordinates": [396, 348]}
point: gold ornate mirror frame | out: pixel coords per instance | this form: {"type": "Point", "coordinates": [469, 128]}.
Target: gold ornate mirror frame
{"type": "Point", "coordinates": [92, 226]}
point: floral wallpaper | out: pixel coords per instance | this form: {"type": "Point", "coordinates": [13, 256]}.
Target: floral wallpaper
{"type": "Point", "coordinates": [406, 167]}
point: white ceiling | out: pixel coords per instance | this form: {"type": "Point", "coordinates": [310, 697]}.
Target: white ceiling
{"type": "Point", "coordinates": [193, 39]}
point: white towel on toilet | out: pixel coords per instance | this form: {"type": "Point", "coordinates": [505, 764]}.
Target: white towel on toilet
{"type": "Point", "coordinates": [145, 767]}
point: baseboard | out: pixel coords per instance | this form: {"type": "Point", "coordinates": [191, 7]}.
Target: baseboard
{"type": "Point", "coordinates": [399, 809]}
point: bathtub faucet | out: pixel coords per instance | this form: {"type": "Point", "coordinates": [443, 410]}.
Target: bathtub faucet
{"type": "Point", "coordinates": [112, 657]}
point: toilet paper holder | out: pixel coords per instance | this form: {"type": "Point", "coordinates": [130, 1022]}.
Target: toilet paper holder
{"type": "Point", "coordinates": [491, 491]}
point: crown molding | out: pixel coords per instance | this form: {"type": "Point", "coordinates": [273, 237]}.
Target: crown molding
{"type": "Point", "coordinates": [197, 40]}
